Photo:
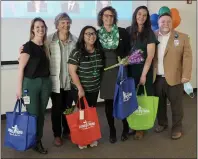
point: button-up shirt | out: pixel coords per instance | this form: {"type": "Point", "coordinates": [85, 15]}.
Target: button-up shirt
{"type": "Point", "coordinates": [163, 39]}
{"type": "Point", "coordinates": [65, 52]}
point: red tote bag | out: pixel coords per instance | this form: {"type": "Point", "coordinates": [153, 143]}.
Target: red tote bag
{"type": "Point", "coordinates": [84, 125]}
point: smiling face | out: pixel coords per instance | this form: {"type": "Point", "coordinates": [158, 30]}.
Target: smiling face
{"type": "Point", "coordinates": [64, 25]}
{"type": "Point", "coordinates": [39, 29]}
{"type": "Point", "coordinates": [141, 16]}
{"type": "Point", "coordinates": [90, 36]}
{"type": "Point", "coordinates": [165, 24]}
{"type": "Point", "coordinates": [108, 18]}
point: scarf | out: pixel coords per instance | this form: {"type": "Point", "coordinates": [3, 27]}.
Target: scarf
{"type": "Point", "coordinates": [109, 40]}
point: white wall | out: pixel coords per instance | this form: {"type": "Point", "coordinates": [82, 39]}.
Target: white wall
{"type": "Point", "coordinates": [188, 25]}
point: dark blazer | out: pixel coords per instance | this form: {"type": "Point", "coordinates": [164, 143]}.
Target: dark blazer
{"type": "Point", "coordinates": [124, 43]}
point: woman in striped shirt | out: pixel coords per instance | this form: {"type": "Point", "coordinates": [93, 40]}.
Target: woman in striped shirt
{"type": "Point", "coordinates": [85, 67]}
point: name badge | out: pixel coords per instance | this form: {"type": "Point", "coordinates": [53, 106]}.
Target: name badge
{"type": "Point", "coordinates": [82, 115]}
{"type": "Point", "coordinates": [26, 99]}
{"type": "Point", "coordinates": [176, 42]}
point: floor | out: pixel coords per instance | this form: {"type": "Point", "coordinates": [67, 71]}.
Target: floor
{"type": "Point", "coordinates": [152, 146]}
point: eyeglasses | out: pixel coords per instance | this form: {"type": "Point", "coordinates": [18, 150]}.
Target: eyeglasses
{"type": "Point", "coordinates": [108, 15]}
{"type": "Point", "coordinates": [89, 34]}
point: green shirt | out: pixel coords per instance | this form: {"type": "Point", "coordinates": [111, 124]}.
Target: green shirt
{"type": "Point", "coordinates": [89, 69]}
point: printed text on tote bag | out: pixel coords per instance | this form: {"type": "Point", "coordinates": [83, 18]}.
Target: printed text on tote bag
{"type": "Point", "coordinates": [14, 131]}
{"type": "Point", "coordinates": [141, 111]}
{"type": "Point", "coordinates": [87, 124]}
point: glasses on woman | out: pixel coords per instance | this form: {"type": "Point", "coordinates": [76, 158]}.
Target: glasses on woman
{"type": "Point", "coordinates": [108, 15]}
{"type": "Point", "coordinates": [89, 34]}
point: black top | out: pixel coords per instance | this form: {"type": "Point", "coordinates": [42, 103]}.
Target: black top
{"type": "Point", "coordinates": [38, 63]}
{"type": "Point", "coordinates": [135, 71]}
{"type": "Point", "coordinates": [124, 43]}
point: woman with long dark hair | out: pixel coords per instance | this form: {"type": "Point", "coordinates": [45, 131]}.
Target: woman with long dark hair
{"type": "Point", "coordinates": [142, 37]}
{"type": "Point", "coordinates": [85, 68]}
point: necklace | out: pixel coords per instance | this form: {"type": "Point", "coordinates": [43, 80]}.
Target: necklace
{"type": "Point", "coordinates": [94, 64]}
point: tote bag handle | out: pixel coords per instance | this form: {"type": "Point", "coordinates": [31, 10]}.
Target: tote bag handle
{"type": "Point", "coordinates": [84, 101]}
{"type": "Point", "coordinates": [18, 105]}
{"type": "Point", "coordinates": [122, 74]}
{"type": "Point", "coordinates": [145, 93]}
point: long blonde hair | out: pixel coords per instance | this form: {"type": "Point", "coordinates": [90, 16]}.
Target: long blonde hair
{"type": "Point", "coordinates": [45, 36]}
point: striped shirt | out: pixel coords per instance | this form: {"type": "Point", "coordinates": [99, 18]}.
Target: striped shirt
{"type": "Point", "coordinates": [89, 69]}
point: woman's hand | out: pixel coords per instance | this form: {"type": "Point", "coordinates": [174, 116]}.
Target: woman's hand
{"type": "Point", "coordinates": [81, 93]}
{"type": "Point", "coordinates": [142, 80]}
{"type": "Point", "coordinates": [19, 94]}
{"type": "Point", "coordinates": [76, 80]}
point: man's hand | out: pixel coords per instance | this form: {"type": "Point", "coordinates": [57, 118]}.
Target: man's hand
{"type": "Point", "coordinates": [184, 80]}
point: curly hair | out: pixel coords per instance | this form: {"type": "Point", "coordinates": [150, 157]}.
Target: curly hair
{"type": "Point", "coordinates": [100, 14]}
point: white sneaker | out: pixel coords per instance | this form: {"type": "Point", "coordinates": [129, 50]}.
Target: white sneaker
{"type": "Point", "coordinates": [82, 147]}
{"type": "Point", "coordinates": [95, 143]}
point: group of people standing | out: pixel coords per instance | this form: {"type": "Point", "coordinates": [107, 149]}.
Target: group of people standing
{"type": "Point", "coordinates": [67, 68]}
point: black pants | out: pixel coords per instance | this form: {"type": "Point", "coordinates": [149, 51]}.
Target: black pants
{"type": "Point", "coordinates": [110, 118]}
{"type": "Point", "coordinates": [60, 101]}
{"type": "Point", "coordinates": [174, 95]}
{"type": "Point", "coordinates": [91, 98]}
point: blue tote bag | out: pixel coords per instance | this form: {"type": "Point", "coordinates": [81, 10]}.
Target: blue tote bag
{"type": "Point", "coordinates": [20, 129]}
{"type": "Point", "coordinates": [125, 100]}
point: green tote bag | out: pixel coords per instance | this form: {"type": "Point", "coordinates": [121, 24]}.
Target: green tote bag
{"type": "Point", "coordinates": [144, 117]}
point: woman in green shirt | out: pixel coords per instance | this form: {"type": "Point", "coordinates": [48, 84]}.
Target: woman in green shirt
{"type": "Point", "coordinates": [142, 37]}
{"type": "Point", "coordinates": [85, 68]}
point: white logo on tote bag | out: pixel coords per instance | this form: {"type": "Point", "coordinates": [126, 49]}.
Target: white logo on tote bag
{"type": "Point", "coordinates": [126, 96]}
{"type": "Point", "coordinates": [14, 131]}
{"type": "Point", "coordinates": [87, 124]}
{"type": "Point", "coordinates": [141, 111]}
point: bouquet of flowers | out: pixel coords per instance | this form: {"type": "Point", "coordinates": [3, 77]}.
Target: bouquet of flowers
{"type": "Point", "coordinates": [136, 57]}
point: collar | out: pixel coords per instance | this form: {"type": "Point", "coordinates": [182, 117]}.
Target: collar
{"type": "Point", "coordinates": [160, 34]}
{"type": "Point", "coordinates": [56, 38]}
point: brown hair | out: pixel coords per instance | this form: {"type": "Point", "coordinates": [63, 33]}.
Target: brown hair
{"type": "Point", "coordinates": [45, 36]}
{"type": "Point", "coordinates": [100, 14]}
